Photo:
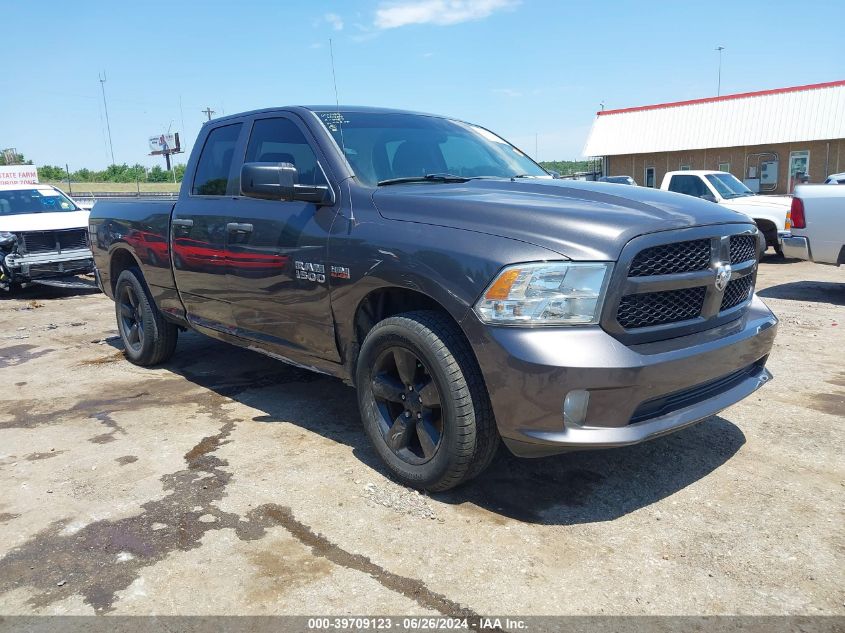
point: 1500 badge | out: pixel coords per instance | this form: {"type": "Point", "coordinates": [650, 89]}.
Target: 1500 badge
{"type": "Point", "coordinates": [310, 272]}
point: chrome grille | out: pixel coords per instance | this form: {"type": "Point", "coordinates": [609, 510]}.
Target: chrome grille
{"type": "Point", "coordinates": [737, 292]}
{"type": "Point", "coordinates": [665, 287]}
{"type": "Point", "coordinates": [743, 248]}
{"type": "Point", "coordinates": [657, 308]}
{"type": "Point", "coordinates": [668, 259]}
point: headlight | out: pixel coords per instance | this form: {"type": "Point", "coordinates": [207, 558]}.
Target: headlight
{"type": "Point", "coordinates": [546, 293]}
{"type": "Point", "coordinates": [7, 238]}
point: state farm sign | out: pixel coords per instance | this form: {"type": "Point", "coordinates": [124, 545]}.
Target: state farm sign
{"type": "Point", "coordinates": [18, 175]}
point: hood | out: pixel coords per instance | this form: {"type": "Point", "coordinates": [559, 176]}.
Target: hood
{"type": "Point", "coordinates": [758, 202]}
{"type": "Point", "coordinates": [577, 219]}
{"type": "Point", "coordinates": [44, 221]}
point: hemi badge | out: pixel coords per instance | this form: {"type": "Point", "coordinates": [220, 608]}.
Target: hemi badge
{"type": "Point", "coordinates": [340, 272]}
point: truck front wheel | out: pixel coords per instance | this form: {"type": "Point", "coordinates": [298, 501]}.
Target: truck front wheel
{"type": "Point", "coordinates": [148, 339]}
{"type": "Point", "coordinates": [423, 401]}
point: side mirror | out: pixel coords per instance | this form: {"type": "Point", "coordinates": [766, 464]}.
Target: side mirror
{"type": "Point", "coordinates": [279, 181]}
{"type": "Point", "coordinates": [709, 197]}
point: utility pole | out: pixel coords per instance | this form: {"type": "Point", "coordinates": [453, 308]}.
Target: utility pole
{"type": "Point", "coordinates": [69, 186]}
{"type": "Point", "coordinates": [106, 108]}
{"type": "Point", "coordinates": [719, 81]}
{"type": "Point", "coordinates": [208, 112]}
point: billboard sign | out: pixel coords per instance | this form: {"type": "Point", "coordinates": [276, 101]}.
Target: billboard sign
{"type": "Point", "coordinates": [164, 143]}
{"type": "Point", "coordinates": [18, 175]}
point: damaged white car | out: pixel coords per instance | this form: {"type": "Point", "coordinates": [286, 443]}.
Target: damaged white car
{"type": "Point", "coordinates": [43, 236]}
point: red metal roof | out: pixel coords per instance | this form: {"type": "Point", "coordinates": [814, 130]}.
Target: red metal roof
{"type": "Point", "coordinates": [740, 95]}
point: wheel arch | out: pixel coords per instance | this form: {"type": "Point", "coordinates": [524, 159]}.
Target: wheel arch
{"type": "Point", "coordinates": [386, 301]}
{"type": "Point", "coordinates": [121, 259]}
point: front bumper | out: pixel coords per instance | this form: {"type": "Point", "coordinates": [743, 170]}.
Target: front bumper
{"type": "Point", "coordinates": [794, 246]}
{"type": "Point", "coordinates": [49, 265]}
{"type": "Point", "coordinates": [636, 392]}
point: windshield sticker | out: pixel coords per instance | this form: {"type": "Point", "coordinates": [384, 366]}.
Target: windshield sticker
{"type": "Point", "coordinates": [332, 120]}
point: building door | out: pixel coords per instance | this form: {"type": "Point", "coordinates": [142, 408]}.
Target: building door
{"type": "Point", "coordinates": [799, 163]}
{"type": "Point", "coordinates": [649, 177]}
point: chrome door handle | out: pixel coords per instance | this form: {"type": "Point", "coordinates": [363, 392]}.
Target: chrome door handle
{"type": "Point", "coordinates": [236, 227]}
{"type": "Point", "coordinates": [182, 222]}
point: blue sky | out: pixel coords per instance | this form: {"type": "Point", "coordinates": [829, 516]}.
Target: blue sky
{"type": "Point", "coordinates": [519, 68]}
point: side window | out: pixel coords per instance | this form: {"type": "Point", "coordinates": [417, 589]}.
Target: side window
{"type": "Point", "coordinates": [215, 161]}
{"type": "Point", "coordinates": [280, 141]}
{"type": "Point", "coordinates": [688, 185]}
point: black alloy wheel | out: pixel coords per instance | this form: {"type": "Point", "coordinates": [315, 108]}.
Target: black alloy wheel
{"type": "Point", "coordinates": [408, 400]}
{"type": "Point", "coordinates": [131, 320]}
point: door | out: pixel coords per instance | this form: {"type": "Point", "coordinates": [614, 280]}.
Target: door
{"type": "Point", "coordinates": [277, 274]}
{"type": "Point", "coordinates": [649, 176]}
{"type": "Point", "coordinates": [799, 168]}
{"type": "Point", "coordinates": [198, 233]}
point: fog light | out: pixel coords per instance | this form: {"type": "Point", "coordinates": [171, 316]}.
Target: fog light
{"type": "Point", "coordinates": [575, 407]}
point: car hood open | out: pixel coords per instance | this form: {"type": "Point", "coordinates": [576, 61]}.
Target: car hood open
{"type": "Point", "coordinates": [21, 222]}
{"type": "Point", "coordinates": [580, 220]}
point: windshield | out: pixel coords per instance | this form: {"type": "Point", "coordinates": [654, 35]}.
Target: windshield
{"type": "Point", "coordinates": [728, 185]}
{"type": "Point", "coordinates": [20, 201]}
{"type": "Point", "coordinates": [384, 147]}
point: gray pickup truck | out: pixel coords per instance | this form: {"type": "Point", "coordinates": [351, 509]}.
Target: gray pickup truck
{"type": "Point", "coordinates": [468, 296]}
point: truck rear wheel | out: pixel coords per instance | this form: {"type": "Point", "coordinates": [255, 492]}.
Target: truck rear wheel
{"type": "Point", "coordinates": [148, 339]}
{"type": "Point", "coordinates": [423, 401]}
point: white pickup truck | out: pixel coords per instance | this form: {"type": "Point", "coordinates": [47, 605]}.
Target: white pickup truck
{"type": "Point", "coordinates": [816, 225]}
{"type": "Point", "coordinates": [768, 212]}
{"type": "Point", "coordinates": [43, 236]}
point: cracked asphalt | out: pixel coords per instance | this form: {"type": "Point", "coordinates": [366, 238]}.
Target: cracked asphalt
{"type": "Point", "coordinates": [227, 483]}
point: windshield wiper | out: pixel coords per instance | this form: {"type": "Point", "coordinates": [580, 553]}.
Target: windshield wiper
{"type": "Point", "coordinates": [426, 178]}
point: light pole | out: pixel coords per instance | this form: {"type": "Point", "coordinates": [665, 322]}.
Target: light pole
{"type": "Point", "coordinates": [106, 108]}
{"type": "Point", "coordinates": [719, 81]}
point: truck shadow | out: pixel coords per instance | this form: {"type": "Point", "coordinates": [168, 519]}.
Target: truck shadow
{"type": "Point", "coordinates": [84, 285]}
{"type": "Point", "coordinates": [574, 488]}
{"type": "Point", "coordinates": [820, 291]}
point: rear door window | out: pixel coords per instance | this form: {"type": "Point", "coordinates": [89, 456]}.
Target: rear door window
{"type": "Point", "coordinates": [215, 161]}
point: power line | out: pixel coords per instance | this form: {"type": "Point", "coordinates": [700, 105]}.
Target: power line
{"type": "Point", "coordinates": [106, 108]}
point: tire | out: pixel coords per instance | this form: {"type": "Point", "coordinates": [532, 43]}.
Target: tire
{"type": "Point", "coordinates": [148, 339]}
{"type": "Point", "coordinates": [425, 445]}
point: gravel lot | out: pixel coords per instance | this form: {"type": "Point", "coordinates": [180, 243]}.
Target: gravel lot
{"type": "Point", "coordinates": [227, 483]}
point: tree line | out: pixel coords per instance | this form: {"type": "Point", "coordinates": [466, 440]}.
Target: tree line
{"type": "Point", "coordinates": [138, 173]}
{"type": "Point", "coordinates": [112, 173]}
{"type": "Point", "coordinates": [567, 167]}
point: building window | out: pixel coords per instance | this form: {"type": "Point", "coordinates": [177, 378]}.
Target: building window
{"type": "Point", "coordinates": [799, 165]}
{"type": "Point", "coordinates": [685, 167]}
{"type": "Point", "coordinates": [649, 177]}
{"type": "Point", "coordinates": [725, 167]}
